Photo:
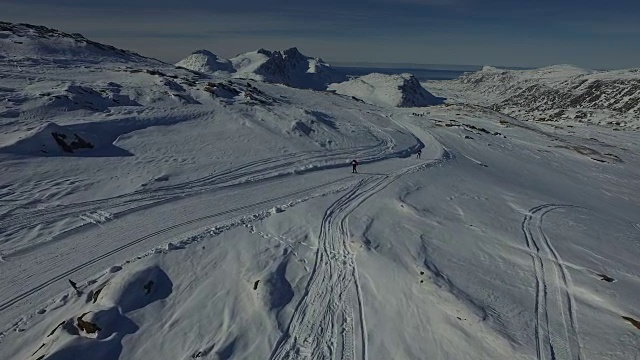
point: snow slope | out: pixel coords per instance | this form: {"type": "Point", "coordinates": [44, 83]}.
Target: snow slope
{"type": "Point", "coordinates": [220, 220]}
{"type": "Point", "coordinates": [387, 90]}
{"type": "Point", "coordinates": [560, 93]}
{"type": "Point", "coordinates": [206, 62]}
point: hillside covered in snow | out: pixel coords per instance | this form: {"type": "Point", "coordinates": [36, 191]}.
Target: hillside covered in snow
{"type": "Point", "coordinates": [553, 94]}
{"type": "Point", "coordinates": [149, 211]}
{"type": "Point", "coordinates": [38, 43]}
{"type": "Point", "coordinates": [402, 90]}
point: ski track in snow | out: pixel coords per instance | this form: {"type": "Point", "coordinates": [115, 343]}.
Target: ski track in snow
{"type": "Point", "coordinates": [18, 218]}
{"type": "Point", "coordinates": [61, 276]}
{"type": "Point", "coordinates": [553, 291]}
{"type": "Point", "coordinates": [323, 323]}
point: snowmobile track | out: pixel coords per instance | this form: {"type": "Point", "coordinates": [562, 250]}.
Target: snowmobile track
{"type": "Point", "coordinates": [8, 303]}
{"type": "Point", "coordinates": [332, 295]}
{"type": "Point", "coordinates": [553, 291]}
{"type": "Point", "coordinates": [22, 217]}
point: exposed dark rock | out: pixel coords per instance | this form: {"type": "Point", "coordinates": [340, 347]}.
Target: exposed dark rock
{"type": "Point", "coordinates": [56, 328]}
{"type": "Point", "coordinates": [86, 326]}
{"type": "Point", "coordinates": [75, 144]}
{"type": "Point", "coordinates": [633, 322]}
{"type": "Point", "coordinates": [148, 286]}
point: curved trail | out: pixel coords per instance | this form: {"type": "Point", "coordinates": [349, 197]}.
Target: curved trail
{"type": "Point", "coordinates": [328, 321]}
{"type": "Point", "coordinates": [554, 298]}
{"type": "Point", "coordinates": [23, 217]}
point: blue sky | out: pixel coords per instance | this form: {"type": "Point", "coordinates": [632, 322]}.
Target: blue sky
{"type": "Point", "coordinates": [588, 33]}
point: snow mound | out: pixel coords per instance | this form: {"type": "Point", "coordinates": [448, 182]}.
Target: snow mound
{"type": "Point", "coordinates": [136, 290]}
{"type": "Point", "coordinates": [25, 41]}
{"type": "Point", "coordinates": [402, 90]}
{"type": "Point", "coordinates": [288, 67]}
{"type": "Point", "coordinates": [97, 328]}
{"type": "Point", "coordinates": [206, 62]}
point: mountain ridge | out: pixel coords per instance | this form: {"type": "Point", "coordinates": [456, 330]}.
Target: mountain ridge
{"type": "Point", "coordinates": [288, 67]}
{"type": "Point", "coordinates": [27, 41]}
{"type": "Point", "coordinates": [553, 93]}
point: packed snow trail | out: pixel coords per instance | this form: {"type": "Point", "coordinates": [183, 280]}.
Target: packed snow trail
{"type": "Point", "coordinates": [21, 218]}
{"type": "Point", "coordinates": [328, 322]}
{"type": "Point", "coordinates": [553, 292]}
{"type": "Point", "coordinates": [32, 277]}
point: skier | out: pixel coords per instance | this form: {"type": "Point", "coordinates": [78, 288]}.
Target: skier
{"type": "Point", "coordinates": [75, 287]}
{"type": "Point", "coordinates": [354, 163]}
{"type": "Point", "coordinates": [418, 153]}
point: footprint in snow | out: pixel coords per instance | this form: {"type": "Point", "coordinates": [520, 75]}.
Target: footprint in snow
{"type": "Point", "coordinates": [421, 274]}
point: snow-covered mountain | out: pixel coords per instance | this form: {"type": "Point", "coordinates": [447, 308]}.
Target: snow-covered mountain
{"type": "Point", "coordinates": [288, 67]}
{"type": "Point", "coordinates": [43, 44]}
{"type": "Point", "coordinates": [402, 90]}
{"type": "Point", "coordinates": [555, 93]}
{"type": "Point", "coordinates": [206, 62]}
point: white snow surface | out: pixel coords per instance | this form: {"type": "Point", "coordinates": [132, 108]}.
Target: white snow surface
{"type": "Point", "coordinates": [402, 90]}
{"type": "Point", "coordinates": [219, 219]}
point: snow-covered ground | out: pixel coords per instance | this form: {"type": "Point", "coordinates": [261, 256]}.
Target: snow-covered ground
{"type": "Point", "coordinates": [212, 218]}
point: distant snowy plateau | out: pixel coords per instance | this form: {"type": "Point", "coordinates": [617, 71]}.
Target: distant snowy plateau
{"type": "Point", "coordinates": [207, 210]}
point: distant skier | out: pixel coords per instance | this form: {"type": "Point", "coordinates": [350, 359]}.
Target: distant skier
{"type": "Point", "coordinates": [354, 164]}
{"type": "Point", "coordinates": [419, 153]}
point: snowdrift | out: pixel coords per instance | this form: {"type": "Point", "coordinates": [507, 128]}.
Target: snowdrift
{"type": "Point", "coordinates": [387, 90]}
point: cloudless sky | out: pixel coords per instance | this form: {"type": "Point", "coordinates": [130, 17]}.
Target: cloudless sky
{"type": "Point", "coordinates": [595, 34]}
